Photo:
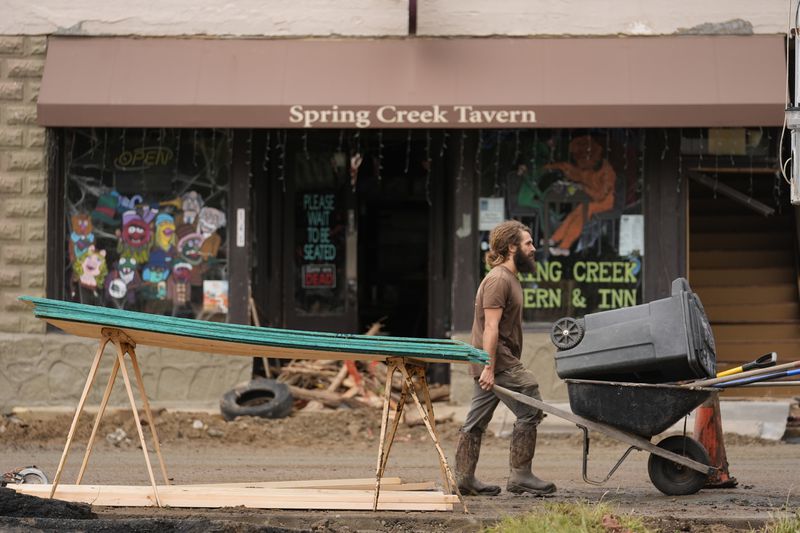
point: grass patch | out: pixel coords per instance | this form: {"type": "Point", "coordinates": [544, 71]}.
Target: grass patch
{"type": "Point", "coordinates": [784, 524]}
{"type": "Point", "coordinates": [573, 518]}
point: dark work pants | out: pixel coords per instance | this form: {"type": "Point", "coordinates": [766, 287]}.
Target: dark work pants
{"type": "Point", "coordinates": [517, 379]}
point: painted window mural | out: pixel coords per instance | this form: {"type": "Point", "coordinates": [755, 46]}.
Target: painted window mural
{"type": "Point", "coordinates": [146, 219]}
{"type": "Point", "coordinates": [580, 192]}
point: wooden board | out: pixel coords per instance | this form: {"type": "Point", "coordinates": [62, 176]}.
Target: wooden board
{"type": "Point", "coordinates": [338, 484]}
{"type": "Point", "coordinates": [258, 498]}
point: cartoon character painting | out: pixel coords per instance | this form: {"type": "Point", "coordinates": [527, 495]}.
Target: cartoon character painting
{"type": "Point", "coordinates": [189, 242]}
{"type": "Point", "coordinates": [81, 237]}
{"type": "Point", "coordinates": [181, 283]}
{"type": "Point", "coordinates": [136, 236]}
{"type": "Point", "coordinates": [191, 203]}
{"type": "Point", "coordinates": [156, 273]}
{"type": "Point", "coordinates": [123, 280]}
{"type": "Point", "coordinates": [165, 233]}
{"type": "Point", "coordinates": [209, 221]}
{"type": "Point", "coordinates": [91, 269]}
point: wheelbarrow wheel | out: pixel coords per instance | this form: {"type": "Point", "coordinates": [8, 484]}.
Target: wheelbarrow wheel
{"type": "Point", "coordinates": [566, 333]}
{"type": "Point", "coordinates": [674, 479]}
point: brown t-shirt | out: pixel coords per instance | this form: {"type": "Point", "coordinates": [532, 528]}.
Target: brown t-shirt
{"type": "Point", "coordinates": [500, 289]}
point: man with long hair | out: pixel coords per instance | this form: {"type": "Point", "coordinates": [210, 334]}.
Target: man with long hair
{"type": "Point", "coordinates": [497, 329]}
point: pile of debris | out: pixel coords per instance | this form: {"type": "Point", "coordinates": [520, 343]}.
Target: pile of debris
{"type": "Point", "coordinates": [333, 384]}
{"type": "Point", "coordinates": [318, 385]}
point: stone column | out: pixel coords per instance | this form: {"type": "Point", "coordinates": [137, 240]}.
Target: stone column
{"type": "Point", "coordinates": [23, 190]}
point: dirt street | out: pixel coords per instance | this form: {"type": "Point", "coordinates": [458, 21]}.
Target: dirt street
{"type": "Point", "coordinates": [202, 448]}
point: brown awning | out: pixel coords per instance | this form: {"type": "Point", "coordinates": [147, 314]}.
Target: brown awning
{"type": "Point", "coordinates": [458, 83]}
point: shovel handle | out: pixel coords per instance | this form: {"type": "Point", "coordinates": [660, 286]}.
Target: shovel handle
{"type": "Point", "coordinates": [765, 361]}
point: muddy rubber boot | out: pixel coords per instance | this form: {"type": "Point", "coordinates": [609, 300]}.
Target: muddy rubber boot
{"type": "Point", "coordinates": [467, 453]}
{"type": "Point", "coordinates": [523, 446]}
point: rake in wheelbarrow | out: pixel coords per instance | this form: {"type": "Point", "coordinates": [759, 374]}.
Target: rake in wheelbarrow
{"type": "Point", "coordinates": [633, 413]}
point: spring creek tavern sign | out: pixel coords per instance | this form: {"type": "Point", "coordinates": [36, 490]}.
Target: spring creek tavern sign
{"type": "Point", "coordinates": [394, 116]}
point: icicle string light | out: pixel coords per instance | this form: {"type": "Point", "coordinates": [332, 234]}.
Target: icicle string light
{"type": "Point", "coordinates": [625, 152]}
{"type": "Point", "coordinates": [249, 153]}
{"type": "Point", "coordinates": [229, 140]}
{"type": "Point", "coordinates": [680, 161]}
{"type": "Point", "coordinates": [105, 150]}
{"type": "Point", "coordinates": [282, 160]}
{"type": "Point", "coordinates": [478, 147]}
{"type": "Point", "coordinates": [70, 154]}
{"type": "Point", "coordinates": [460, 174]}
{"type": "Point", "coordinates": [94, 141]}
{"type": "Point", "coordinates": [702, 148]}
{"type": "Point", "coordinates": [212, 161]}
{"type": "Point", "coordinates": [496, 188]}
{"type": "Point", "coordinates": [265, 162]}
{"type": "Point", "coordinates": [443, 148]}
{"type": "Point", "coordinates": [427, 167]}
{"type": "Point", "coordinates": [642, 147]}
{"type": "Point", "coordinates": [176, 171]}
{"type": "Point", "coordinates": [408, 153]}
{"type": "Point", "coordinates": [305, 145]}
{"type": "Point", "coordinates": [666, 145]}
{"type": "Point", "coordinates": [380, 155]}
{"type": "Point", "coordinates": [194, 148]}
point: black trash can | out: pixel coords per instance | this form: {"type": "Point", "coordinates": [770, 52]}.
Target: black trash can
{"type": "Point", "coordinates": [662, 341]}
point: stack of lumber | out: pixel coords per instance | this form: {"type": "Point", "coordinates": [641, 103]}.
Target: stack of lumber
{"type": "Point", "coordinates": [343, 494]}
{"type": "Point", "coordinates": [238, 339]}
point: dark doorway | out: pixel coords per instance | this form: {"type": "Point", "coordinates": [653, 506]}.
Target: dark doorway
{"type": "Point", "coordinates": [393, 226]}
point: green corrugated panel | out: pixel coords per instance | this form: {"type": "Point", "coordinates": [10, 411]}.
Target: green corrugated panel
{"type": "Point", "coordinates": [445, 349]}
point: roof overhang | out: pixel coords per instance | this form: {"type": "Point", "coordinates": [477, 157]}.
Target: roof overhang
{"type": "Point", "coordinates": [680, 81]}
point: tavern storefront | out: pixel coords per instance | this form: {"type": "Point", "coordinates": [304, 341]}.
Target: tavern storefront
{"type": "Point", "coordinates": [341, 183]}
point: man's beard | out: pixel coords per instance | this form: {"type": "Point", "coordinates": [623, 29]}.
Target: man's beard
{"type": "Point", "coordinates": [524, 263]}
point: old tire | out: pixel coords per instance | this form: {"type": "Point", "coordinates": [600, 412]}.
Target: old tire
{"type": "Point", "coordinates": [265, 398]}
{"type": "Point", "coordinates": [566, 333]}
{"type": "Point", "coordinates": [673, 479]}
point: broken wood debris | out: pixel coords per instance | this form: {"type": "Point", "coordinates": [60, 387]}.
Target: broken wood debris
{"type": "Point", "coordinates": [325, 384]}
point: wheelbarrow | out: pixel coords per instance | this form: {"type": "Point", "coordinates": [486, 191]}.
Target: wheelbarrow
{"type": "Point", "coordinates": [633, 413]}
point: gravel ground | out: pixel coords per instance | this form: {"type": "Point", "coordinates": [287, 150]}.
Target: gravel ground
{"type": "Point", "coordinates": [203, 448]}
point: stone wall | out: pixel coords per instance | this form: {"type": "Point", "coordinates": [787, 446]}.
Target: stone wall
{"type": "Point", "coordinates": [23, 217]}
{"type": "Point", "coordinates": [48, 370]}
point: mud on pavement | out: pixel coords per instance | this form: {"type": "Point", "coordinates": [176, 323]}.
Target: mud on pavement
{"type": "Point", "coordinates": [203, 448]}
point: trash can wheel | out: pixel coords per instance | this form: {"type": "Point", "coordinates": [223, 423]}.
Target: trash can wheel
{"type": "Point", "coordinates": [674, 479]}
{"type": "Point", "coordinates": [567, 332]}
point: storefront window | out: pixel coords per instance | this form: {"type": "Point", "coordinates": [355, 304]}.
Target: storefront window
{"type": "Point", "coordinates": [146, 220]}
{"type": "Point", "coordinates": [580, 192]}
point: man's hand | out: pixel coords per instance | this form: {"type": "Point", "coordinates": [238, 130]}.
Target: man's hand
{"type": "Point", "coordinates": [486, 380]}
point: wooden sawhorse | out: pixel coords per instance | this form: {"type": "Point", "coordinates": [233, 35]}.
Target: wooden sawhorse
{"type": "Point", "coordinates": [409, 370]}
{"type": "Point", "coordinates": [124, 345]}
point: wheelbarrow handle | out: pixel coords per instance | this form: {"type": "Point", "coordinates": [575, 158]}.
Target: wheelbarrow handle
{"type": "Point", "coordinates": [765, 361]}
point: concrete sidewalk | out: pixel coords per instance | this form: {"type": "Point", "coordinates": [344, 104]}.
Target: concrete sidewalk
{"type": "Point", "coordinates": [761, 419]}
